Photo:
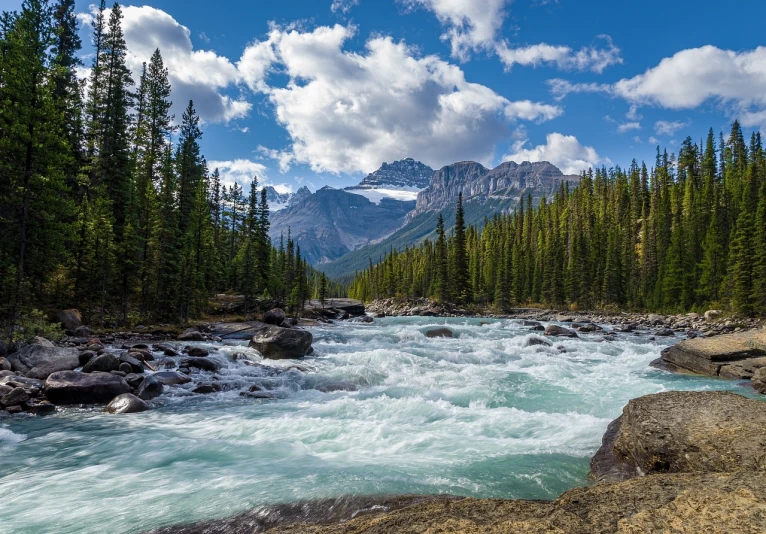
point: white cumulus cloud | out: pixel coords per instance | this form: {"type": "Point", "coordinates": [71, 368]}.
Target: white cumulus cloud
{"type": "Point", "coordinates": [349, 111]}
{"type": "Point", "coordinates": [691, 78]}
{"type": "Point", "coordinates": [241, 171]}
{"type": "Point", "coordinates": [563, 151]}
{"type": "Point", "coordinates": [564, 57]}
{"type": "Point", "coordinates": [669, 127]}
{"type": "Point", "coordinates": [199, 75]}
{"type": "Point", "coordinates": [474, 26]}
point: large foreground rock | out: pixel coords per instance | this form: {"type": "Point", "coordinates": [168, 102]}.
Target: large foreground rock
{"type": "Point", "coordinates": [40, 361]}
{"type": "Point", "coordinates": [729, 356]}
{"type": "Point", "coordinates": [685, 503]}
{"type": "Point", "coordinates": [278, 343]}
{"type": "Point", "coordinates": [684, 432]}
{"type": "Point", "coordinates": [69, 387]}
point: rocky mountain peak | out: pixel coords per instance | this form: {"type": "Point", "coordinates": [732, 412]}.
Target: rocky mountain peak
{"type": "Point", "coordinates": [406, 173]}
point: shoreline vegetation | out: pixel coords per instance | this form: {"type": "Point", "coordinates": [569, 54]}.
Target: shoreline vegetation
{"type": "Point", "coordinates": [687, 234]}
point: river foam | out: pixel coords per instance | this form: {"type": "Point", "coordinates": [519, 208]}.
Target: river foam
{"type": "Point", "coordinates": [377, 409]}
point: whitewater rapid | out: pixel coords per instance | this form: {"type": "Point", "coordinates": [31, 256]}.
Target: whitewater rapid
{"type": "Point", "coordinates": [377, 409]}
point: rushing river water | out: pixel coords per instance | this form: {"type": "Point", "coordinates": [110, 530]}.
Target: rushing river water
{"type": "Point", "coordinates": [377, 409]}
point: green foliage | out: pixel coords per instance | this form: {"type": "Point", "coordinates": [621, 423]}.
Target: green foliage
{"type": "Point", "coordinates": [685, 235]}
{"type": "Point", "coordinates": [34, 323]}
{"type": "Point", "coordinates": [102, 211]}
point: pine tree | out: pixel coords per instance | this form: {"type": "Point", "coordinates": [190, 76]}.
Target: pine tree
{"type": "Point", "coordinates": [461, 284]}
{"type": "Point", "coordinates": [442, 268]}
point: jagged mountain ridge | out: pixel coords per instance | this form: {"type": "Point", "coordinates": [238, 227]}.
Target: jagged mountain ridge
{"type": "Point", "coordinates": [406, 173]}
{"type": "Point", "coordinates": [278, 201]}
{"type": "Point", "coordinates": [478, 184]}
{"type": "Point", "coordinates": [485, 193]}
{"type": "Point", "coordinates": [331, 223]}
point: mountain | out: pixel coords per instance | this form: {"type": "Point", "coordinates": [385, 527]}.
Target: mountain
{"type": "Point", "coordinates": [406, 173]}
{"type": "Point", "coordinates": [485, 193]}
{"type": "Point", "coordinates": [299, 196]}
{"type": "Point", "coordinates": [509, 180]}
{"type": "Point", "coordinates": [277, 200]}
{"type": "Point", "coordinates": [331, 223]}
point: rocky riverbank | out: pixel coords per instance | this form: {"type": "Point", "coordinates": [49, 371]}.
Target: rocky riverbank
{"type": "Point", "coordinates": [126, 371]}
{"type": "Point", "coordinates": [673, 462]}
{"type": "Point", "coordinates": [689, 325]}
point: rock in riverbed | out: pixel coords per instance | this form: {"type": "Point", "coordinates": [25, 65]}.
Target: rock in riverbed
{"type": "Point", "coordinates": [275, 317]}
{"type": "Point", "coordinates": [40, 361]}
{"type": "Point", "coordinates": [171, 378]}
{"type": "Point", "coordinates": [103, 363]}
{"type": "Point", "coordinates": [684, 432]}
{"type": "Point", "coordinates": [70, 387]}
{"type": "Point", "coordinates": [279, 343]}
{"type": "Point", "coordinates": [126, 403]}
{"type": "Point", "coordinates": [731, 356]}
{"type": "Point", "coordinates": [440, 332]}
{"type": "Point", "coordinates": [150, 388]}
{"type": "Point", "coordinates": [559, 331]}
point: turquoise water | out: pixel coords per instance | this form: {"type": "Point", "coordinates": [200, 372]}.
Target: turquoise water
{"type": "Point", "coordinates": [481, 415]}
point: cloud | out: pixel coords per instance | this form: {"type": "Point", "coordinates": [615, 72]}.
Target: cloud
{"type": "Point", "coordinates": [343, 6]}
{"type": "Point", "coordinates": [628, 126]}
{"type": "Point", "coordinates": [691, 78]}
{"type": "Point", "coordinates": [669, 127]}
{"type": "Point", "coordinates": [637, 139]}
{"type": "Point", "coordinates": [563, 151]}
{"type": "Point", "coordinates": [241, 171]}
{"type": "Point", "coordinates": [474, 26]}
{"type": "Point", "coordinates": [471, 25]}
{"type": "Point", "coordinates": [347, 112]}
{"type": "Point", "coordinates": [588, 58]}
{"type": "Point", "coordinates": [625, 126]}
{"type": "Point", "coordinates": [199, 75]}
{"type": "Point", "coordinates": [654, 141]}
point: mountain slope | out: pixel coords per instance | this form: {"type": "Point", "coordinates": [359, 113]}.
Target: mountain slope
{"type": "Point", "coordinates": [406, 173]}
{"type": "Point", "coordinates": [485, 193]}
{"type": "Point", "coordinates": [331, 223]}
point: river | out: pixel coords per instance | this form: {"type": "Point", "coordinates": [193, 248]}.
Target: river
{"type": "Point", "coordinates": [377, 409]}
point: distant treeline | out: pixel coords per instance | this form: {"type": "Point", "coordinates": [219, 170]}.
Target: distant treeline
{"type": "Point", "coordinates": [99, 208]}
{"type": "Point", "coordinates": [687, 234]}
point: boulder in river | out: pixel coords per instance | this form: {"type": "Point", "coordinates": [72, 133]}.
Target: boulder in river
{"type": "Point", "coordinates": [534, 340]}
{"type": "Point", "coordinates": [275, 316]}
{"type": "Point", "coordinates": [103, 363]}
{"type": "Point", "coordinates": [683, 432]}
{"type": "Point", "coordinates": [171, 378]}
{"type": "Point", "coordinates": [15, 397]}
{"type": "Point", "coordinates": [70, 387]}
{"type": "Point", "coordinates": [559, 331]}
{"type": "Point", "coordinates": [126, 403]}
{"type": "Point", "coordinates": [149, 388]}
{"type": "Point", "coordinates": [205, 364]}
{"type": "Point", "coordinates": [439, 332]}
{"type": "Point", "coordinates": [39, 361]}
{"type": "Point", "coordinates": [191, 334]}
{"type": "Point", "coordinates": [279, 343]}
{"type": "Point", "coordinates": [197, 352]}
{"type": "Point", "coordinates": [730, 356]}
{"type": "Point", "coordinates": [5, 365]}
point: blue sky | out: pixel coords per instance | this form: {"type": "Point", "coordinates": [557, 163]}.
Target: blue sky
{"type": "Point", "coordinates": [318, 92]}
